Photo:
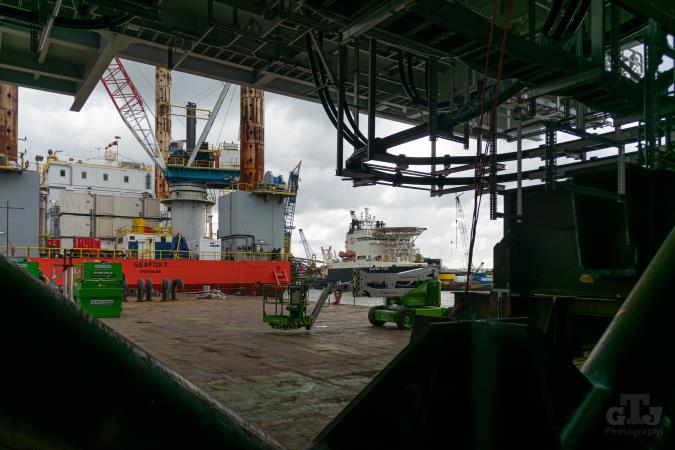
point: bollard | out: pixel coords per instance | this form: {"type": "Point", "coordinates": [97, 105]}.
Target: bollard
{"type": "Point", "coordinates": [176, 284]}
{"type": "Point", "coordinates": [141, 290]}
{"type": "Point", "coordinates": [148, 289]}
{"type": "Point", "coordinates": [125, 287]}
{"type": "Point", "coordinates": [166, 287]}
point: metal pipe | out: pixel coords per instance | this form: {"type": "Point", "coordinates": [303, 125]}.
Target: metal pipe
{"type": "Point", "coordinates": [519, 170]}
{"type": "Point", "coordinates": [209, 122]}
{"type": "Point", "coordinates": [432, 98]}
{"type": "Point", "coordinates": [42, 45]}
{"type": "Point", "coordinates": [621, 164]}
{"type": "Point", "coordinates": [193, 47]}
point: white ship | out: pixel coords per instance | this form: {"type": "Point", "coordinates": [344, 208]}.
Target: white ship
{"type": "Point", "coordinates": [372, 245]}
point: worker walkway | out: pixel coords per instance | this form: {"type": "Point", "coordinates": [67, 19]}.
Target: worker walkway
{"type": "Point", "coordinates": [288, 383]}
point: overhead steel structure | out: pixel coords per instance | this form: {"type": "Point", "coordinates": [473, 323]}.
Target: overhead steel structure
{"type": "Point", "coordinates": [543, 64]}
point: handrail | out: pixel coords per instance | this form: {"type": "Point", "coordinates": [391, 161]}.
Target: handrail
{"type": "Point", "coordinates": [262, 187]}
{"type": "Point", "coordinates": [146, 254]}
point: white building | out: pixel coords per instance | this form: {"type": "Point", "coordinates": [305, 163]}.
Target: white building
{"type": "Point", "coordinates": [98, 200]}
{"type": "Point", "coordinates": [125, 179]}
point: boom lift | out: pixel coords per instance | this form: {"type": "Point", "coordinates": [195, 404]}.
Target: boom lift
{"type": "Point", "coordinates": [290, 306]}
{"type": "Point", "coordinates": [415, 292]}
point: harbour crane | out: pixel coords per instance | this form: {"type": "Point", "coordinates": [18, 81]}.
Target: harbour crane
{"type": "Point", "coordinates": [460, 225]}
{"type": "Point", "coordinates": [308, 250]}
{"type": "Point", "coordinates": [132, 110]}
{"type": "Point", "coordinates": [464, 234]}
{"type": "Point", "coordinates": [289, 206]}
{"type": "Point", "coordinates": [129, 104]}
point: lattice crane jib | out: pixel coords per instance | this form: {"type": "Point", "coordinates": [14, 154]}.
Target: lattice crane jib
{"type": "Point", "coordinates": [461, 226]}
{"type": "Point", "coordinates": [130, 106]}
{"type": "Point", "coordinates": [289, 206]}
{"type": "Point", "coordinates": [308, 250]}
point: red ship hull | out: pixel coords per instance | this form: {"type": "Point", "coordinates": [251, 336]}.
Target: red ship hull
{"type": "Point", "coordinates": [194, 273]}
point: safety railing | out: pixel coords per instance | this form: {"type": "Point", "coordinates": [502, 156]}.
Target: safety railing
{"type": "Point", "coordinates": [145, 254]}
{"type": "Point", "coordinates": [262, 188]}
{"type": "Point", "coordinates": [9, 163]}
{"type": "Point", "coordinates": [199, 164]}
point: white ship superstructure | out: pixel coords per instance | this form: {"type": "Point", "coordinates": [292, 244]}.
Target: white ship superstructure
{"type": "Point", "coordinates": [371, 244]}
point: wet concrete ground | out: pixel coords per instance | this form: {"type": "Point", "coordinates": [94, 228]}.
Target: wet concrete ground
{"type": "Point", "coordinates": [288, 383]}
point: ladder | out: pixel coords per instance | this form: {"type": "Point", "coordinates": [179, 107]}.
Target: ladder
{"type": "Point", "coordinates": [281, 276]}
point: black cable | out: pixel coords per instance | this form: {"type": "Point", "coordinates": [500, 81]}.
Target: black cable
{"type": "Point", "coordinates": [348, 136]}
{"type": "Point", "coordinates": [408, 83]}
{"type": "Point", "coordinates": [402, 76]}
{"type": "Point", "coordinates": [361, 138]}
{"type": "Point", "coordinates": [323, 79]}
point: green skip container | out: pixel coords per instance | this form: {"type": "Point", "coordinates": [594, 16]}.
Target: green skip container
{"type": "Point", "coordinates": [32, 267]}
{"type": "Point", "coordinates": [99, 288]}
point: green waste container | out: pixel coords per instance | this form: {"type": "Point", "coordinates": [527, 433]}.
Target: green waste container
{"type": "Point", "coordinates": [32, 267]}
{"type": "Point", "coordinates": [99, 288]}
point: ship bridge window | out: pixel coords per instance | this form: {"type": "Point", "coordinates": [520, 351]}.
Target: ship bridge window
{"type": "Point", "coordinates": [105, 177]}
{"type": "Point", "coordinates": [63, 172]}
{"type": "Point", "coordinates": [84, 175]}
{"type": "Point", "coordinates": [126, 178]}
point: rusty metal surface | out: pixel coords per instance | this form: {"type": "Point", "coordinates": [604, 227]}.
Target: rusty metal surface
{"type": "Point", "coordinates": [9, 120]}
{"type": "Point", "coordinates": [252, 136]}
{"type": "Point", "coordinates": [162, 125]}
{"type": "Point", "coordinates": [288, 383]}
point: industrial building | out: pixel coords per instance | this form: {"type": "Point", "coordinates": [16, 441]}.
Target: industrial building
{"type": "Point", "coordinates": [97, 200]}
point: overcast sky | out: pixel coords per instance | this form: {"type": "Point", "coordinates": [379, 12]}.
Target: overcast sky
{"type": "Point", "coordinates": [295, 130]}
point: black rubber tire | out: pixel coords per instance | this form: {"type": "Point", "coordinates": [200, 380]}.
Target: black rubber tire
{"type": "Point", "coordinates": [371, 317]}
{"type": "Point", "coordinates": [405, 318]}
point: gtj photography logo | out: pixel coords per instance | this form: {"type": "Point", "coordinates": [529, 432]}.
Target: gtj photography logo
{"type": "Point", "coordinates": [634, 416]}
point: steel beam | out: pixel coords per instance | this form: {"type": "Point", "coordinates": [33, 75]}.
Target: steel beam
{"type": "Point", "coordinates": [23, 62]}
{"type": "Point", "coordinates": [192, 47]}
{"type": "Point", "coordinates": [209, 123]}
{"type": "Point", "coordinates": [373, 18]}
{"type": "Point", "coordinates": [43, 43]}
{"type": "Point", "coordinates": [112, 43]}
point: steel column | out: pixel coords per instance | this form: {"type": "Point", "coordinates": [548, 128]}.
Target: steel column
{"type": "Point", "coordinates": [372, 95]}
{"type": "Point", "coordinates": [550, 156]}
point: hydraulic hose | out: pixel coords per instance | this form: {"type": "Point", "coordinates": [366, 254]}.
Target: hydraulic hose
{"type": "Point", "coordinates": [358, 135]}
{"type": "Point", "coordinates": [408, 83]}
{"type": "Point", "coordinates": [332, 115]}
